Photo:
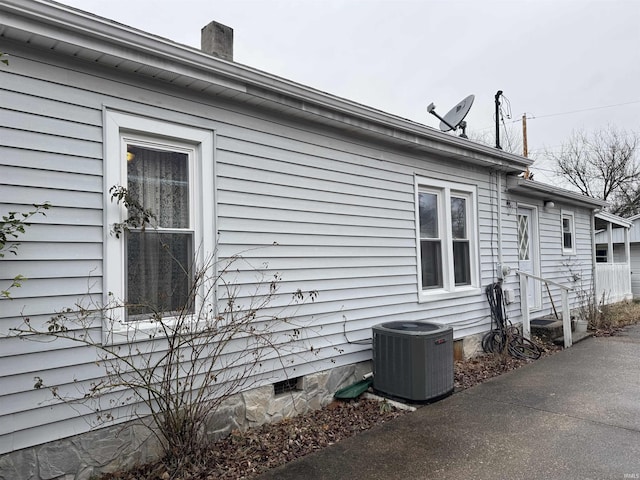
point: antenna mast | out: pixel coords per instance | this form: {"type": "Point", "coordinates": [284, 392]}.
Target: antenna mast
{"type": "Point", "coordinates": [498, 94]}
{"type": "Point", "coordinates": [525, 151]}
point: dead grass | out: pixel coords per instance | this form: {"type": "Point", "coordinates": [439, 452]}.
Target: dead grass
{"type": "Point", "coordinates": [612, 318]}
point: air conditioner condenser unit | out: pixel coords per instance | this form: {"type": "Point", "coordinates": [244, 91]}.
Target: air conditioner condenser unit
{"type": "Point", "coordinates": [413, 360]}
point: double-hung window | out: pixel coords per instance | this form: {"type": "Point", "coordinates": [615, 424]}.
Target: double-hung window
{"type": "Point", "coordinates": [167, 169]}
{"type": "Point", "coordinates": [447, 238]}
{"type": "Point", "coordinates": [160, 257]}
{"type": "Point", "coordinates": [568, 233]}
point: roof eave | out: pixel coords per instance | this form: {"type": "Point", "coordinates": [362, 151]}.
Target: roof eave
{"type": "Point", "coordinates": [49, 20]}
{"type": "Point", "coordinates": [549, 192]}
{"type": "Point", "coordinates": [614, 219]}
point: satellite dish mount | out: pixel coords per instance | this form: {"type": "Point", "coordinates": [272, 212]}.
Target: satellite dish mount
{"type": "Point", "coordinates": [454, 119]}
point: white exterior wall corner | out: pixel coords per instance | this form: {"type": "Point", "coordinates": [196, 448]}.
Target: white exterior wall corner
{"type": "Point", "coordinates": [329, 210]}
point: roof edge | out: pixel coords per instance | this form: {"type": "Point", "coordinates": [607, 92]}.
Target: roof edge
{"type": "Point", "coordinates": [521, 185]}
{"type": "Point", "coordinates": [611, 218]}
{"type": "Point", "coordinates": [95, 32]}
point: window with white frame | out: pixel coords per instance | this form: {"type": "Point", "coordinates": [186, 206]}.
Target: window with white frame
{"type": "Point", "coordinates": [159, 260]}
{"type": "Point", "coordinates": [568, 233]}
{"type": "Point", "coordinates": [447, 238]}
{"type": "Point", "coordinates": [168, 169]}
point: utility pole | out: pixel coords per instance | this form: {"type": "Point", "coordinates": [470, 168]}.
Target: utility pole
{"type": "Point", "coordinates": [525, 152]}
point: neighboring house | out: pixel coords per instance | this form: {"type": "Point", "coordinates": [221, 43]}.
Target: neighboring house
{"type": "Point", "coordinates": [617, 258]}
{"type": "Point", "coordinates": [386, 218]}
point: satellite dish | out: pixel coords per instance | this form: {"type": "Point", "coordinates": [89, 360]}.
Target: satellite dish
{"type": "Point", "coordinates": [454, 118]}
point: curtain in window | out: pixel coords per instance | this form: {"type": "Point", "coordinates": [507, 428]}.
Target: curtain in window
{"type": "Point", "coordinates": [159, 259]}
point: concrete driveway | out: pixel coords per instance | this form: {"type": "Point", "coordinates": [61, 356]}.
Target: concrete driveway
{"type": "Point", "coordinates": [575, 415]}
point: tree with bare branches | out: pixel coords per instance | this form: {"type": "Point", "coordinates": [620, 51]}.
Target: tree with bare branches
{"type": "Point", "coordinates": [511, 138]}
{"type": "Point", "coordinates": [603, 164]}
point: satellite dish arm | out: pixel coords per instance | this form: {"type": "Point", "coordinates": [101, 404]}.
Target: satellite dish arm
{"type": "Point", "coordinates": [432, 110]}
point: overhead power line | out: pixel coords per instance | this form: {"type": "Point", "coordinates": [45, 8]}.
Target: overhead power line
{"type": "Point", "coordinates": [568, 112]}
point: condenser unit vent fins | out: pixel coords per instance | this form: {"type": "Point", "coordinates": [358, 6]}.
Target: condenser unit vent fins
{"type": "Point", "coordinates": [413, 360]}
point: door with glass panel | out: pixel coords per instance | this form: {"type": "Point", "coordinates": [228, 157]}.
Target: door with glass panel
{"type": "Point", "coordinates": [528, 253]}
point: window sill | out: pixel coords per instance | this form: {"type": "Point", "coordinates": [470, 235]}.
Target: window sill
{"type": "Point", "coordinates": [440, 294]}
{"type": "Point", "coordinates": [121, 333]}
{"type": "Point", "coordinates": [568, 253]}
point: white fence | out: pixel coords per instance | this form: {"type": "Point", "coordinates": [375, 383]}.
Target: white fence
{"type": "Point", "coordinates": [613, 282]}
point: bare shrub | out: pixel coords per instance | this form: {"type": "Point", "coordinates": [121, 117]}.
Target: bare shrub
{"type": "Point", "coordinates": [173, 367]}
{"type": "Point", "coordinates": [178, 368]}
{"type": "Point", "coordinates": [587, 306]}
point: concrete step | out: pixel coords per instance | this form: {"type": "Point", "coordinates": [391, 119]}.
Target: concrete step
{"type": "Point", "coordinates": [551, 329]}
{"type": "Point", "coordinates": [575, 337]}
{"type": "Point", "coordinates": [548, 328]}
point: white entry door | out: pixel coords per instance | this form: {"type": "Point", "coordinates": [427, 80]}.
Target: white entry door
{"type": "Point", "coordinates": [528, 253]}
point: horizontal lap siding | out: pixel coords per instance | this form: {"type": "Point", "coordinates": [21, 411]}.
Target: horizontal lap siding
{"type": "Point", "coordinates": [327, 212]}
{"type": "Point", "coordinates": [50, 151]}
{"type": "Point", "coordinates": [338, 209]}
{"type": "Point", "coordinates": [554, 264]}
{"type": "Point", "coordinates": [560, 267]}
{"type": "Point", "coordinates": [635, 269]}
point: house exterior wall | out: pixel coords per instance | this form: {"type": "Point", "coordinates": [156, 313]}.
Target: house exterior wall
{"type": "Point", "coordinates": [635, 269]}
{"type": "Point", "coordinates": [328, 211]}
{"type": "Point", "coordinates": [634, 231]}
{"type": "Point", "coordinates": [554, 264]}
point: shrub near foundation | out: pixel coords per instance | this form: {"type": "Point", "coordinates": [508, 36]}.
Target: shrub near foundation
{"type": "Point", "coordinates": [616, 316]}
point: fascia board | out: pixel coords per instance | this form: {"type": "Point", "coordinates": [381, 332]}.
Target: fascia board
{"type": "Point", "coordinates": [543, 190]}
{"type": "Point", "coordinates": [615, 219]}
{"type": "Point", "coordinates": [72, 26]}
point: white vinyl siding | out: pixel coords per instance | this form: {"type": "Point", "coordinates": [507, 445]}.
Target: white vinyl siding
{"type": "Point", "coordinates": [635, 270]}
{"type": "Point", "coordinates": [555, 265]}
{"type": "Point", "coordinates": [327, 210]}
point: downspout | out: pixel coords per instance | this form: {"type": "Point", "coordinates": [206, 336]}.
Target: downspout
{"type": "Point", "coordinates": [499, 198]}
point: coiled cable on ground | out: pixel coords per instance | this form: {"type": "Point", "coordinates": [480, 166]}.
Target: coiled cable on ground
{"type": "Point", "coordinates": [505, 337]}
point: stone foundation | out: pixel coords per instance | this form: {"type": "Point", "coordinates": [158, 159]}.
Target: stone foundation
{"type": "Point", "coordinates": [112, 448]}
{"type": "Point", "coordinates": [472, 345]}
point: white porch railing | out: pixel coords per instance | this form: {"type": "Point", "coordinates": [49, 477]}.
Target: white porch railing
{"type": "Point", "coordinates": [524, 306]}
{"type": "Point", "coordinates": [613, 282]}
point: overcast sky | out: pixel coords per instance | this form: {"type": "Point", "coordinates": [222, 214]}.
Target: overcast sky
{"type": "Point", "coordinates": [566, 64]}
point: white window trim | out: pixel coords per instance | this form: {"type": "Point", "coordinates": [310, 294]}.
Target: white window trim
{"type": "Point", "coordinates": [449, 289]}
{"type": "Point", "coordinates": [570, 215]}
{"type": "Point", "coordinates": [117, 127]}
